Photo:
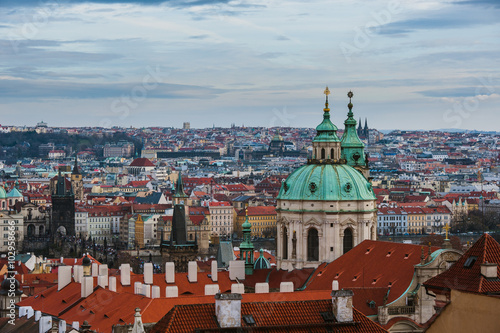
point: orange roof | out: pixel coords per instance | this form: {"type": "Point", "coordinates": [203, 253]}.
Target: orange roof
{"type": "Point", "coordinates": [468, 277]}
{"type": "Point", "coordinates": [258, 210]}
{"type": "Point", "coordinates": [140, 162]}
{"type": "Point", "coordinates": [271, 314]}
{"type": "Point", "coordinates": [373, 264]}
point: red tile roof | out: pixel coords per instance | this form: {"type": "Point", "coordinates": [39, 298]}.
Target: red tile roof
{"type": "Point", "coordinates": [270, 315]}
{"type": "Point", "coordinates": [258, 210]}
{"type": "Point", "coordinates": [373, 264]}
{"type": "Point", "coordinates": [142, 162]}
{"type": "Point", "coordinates": [460, 277]}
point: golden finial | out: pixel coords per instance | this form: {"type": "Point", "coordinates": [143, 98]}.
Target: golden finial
{"type": "Point", "coordinates": [327, 91]}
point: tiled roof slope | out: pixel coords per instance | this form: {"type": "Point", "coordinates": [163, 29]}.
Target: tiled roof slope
{"type": "Point", "coordinates": [460, 277]}
{"type": "Point", "coordinates": [372, 264]}
{"type": "Point", "coordinates": [291, 316]}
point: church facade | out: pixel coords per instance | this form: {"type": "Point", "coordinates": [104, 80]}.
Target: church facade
{"type": "Point", "coordinates": [327, 206]}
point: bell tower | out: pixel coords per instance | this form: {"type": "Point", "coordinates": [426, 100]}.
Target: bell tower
{"type": "Point", "coordinates": [326, 143]}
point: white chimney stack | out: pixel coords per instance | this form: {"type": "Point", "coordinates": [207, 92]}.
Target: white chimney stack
{"type": "Point", "coordinates": [237, 288]}
{"type": "Point", "coordinates": [192, 271]}
{"type": "Point", "coordinates": [148, 273]}
{"type": "Point", "coordinates": [103, 271]}
{"type": "Point", "coordinates": [76, 325]}
{"type": "Point", "coordinates": [155, 292]}
{"type": "Point", "coordinates": [228, 310]}
{"type": "Point", "coordinates": [112, 283]}
{"type": "Point", "coordinates": [236, 270]}
{"type": "Point", "coordinates": [102, 281]}
{"type": "Point", "coordinates": [213, 267]}
{"type": "Point", "coordinates": [342, 305]}
{"type": "Point", "coordinates": [335, 285]}
{"type": "Point", "coordinates": [286, 287]}
{"type": "Point", "coordinates": [63, 277]}
{"type": "Point", "coordinates": [125, 274]}
{"type": "Point", "coordinates": [38, 315]}
{"type": "Point", "coordinates": [171, 291]}
{"type": "Point", "coordinates": [78, 273]}
{"type": "Point", "coordinates": [62, 326]}
{"type": "Point", "coordinates": [170, 272]}
{"type": "Point", "coordinates": [489, 270]}
{"type": "Point", "coordinates": [262, 288]}
{"type": "Point", "coordinates": [211, 289]}
{"type": "Point", "coordinates": [45, 324]}
{"type": "Point", "coordinates": [95, 269]}
{"type": "Point", "coordinates": [146, 290]}
{"type": "Point", "coordinates": [87, 286]}
{"type": "Point", "coordinates": [138, 288]}
{"type": "Point", "coordinates": [62, 260]}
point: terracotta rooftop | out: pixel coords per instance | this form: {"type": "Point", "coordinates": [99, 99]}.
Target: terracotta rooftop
{"type": "Point", "coordinates": [142, 162]}
{"type": "Point", "coordinates": [465, 274]}
{"type": "Point", "coordinates": [269, 316]}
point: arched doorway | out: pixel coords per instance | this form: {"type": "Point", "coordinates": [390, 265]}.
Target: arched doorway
{"type": "Point", "coordinates": [285, 244]}
{"type": "Point", "coordinates": [312, 245]}
{"type": "Point", "coordinates": [41, 230]}
{"type": "Point", "coordinates": [348, 241]}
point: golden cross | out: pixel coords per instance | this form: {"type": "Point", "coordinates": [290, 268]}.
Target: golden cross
{"type": "Point", "coordinates": [327, 91]}
{"type": "Point", "coordinates": [447, 228]}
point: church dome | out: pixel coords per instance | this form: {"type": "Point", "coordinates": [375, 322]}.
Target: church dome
{"type": "Point", "coordinates": [326, 182]}
{"type": "Point", "coordinates": [261, 262]}
{"type": "Point", "coordinates": [5, 287]}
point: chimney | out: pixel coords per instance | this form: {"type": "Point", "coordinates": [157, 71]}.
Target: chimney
{"type": "Point", "coordinates": [102, 281]}
{"type": "Point", "coordinates": [489, 270]}
{"type": "Point", "coordinates": [138, 288]}
{"type": "Point", "coordinates": [155, 292]}
{"type": "Point", "coordinates": [193, 271]}
{"type": "Point", "coordinates": [335, 285]}
{"type": "Point", "coordinates": [38, 315]}
{"type": "Point", "coordinates": [286, 287]}
{"type": "Point", "coordinates": [112, 283]}
{"type": "Point", "coordinates": [342, 305]}
{"type": "Point", "coordinates": [170, 272]}
{"type": "Point", "coordinates": [262, 288]}
{"type": "Point", "coordinates": [211, 289]}
{"type": "Point", "coordinates": [125, 274]}
{"type": "Point", "coordinates": [213, 267]}
{"type": "Point", "coordinates": [76, 325]}
{"type": "Point", "coordinates": [148, 273]}
{"type": "Point", "coordinates": [228, 310]}
{"type": "Point", "coordinates": [171, 291]}
{"type": "Point", "coordinates": [237, 288]}
{"type": "Point", "coordinates": [62, 260]}
{"type": "Point", "coordinates": [62, 326]}
{"type": "Point", "coordinates": [95, 269]}
{"type": "Point", "coordinates": [45, 324]}
{"type": "Point", "coordinates": [87, 286]}
{"type": "Point", "coordinates": [78, 273]}
{"type": "Point", "coordinates": [103, 271]}
{"type": "Point", "coordinates": [63, 277]}
{"type": "Point", "coordinates": [146, 290]}
{"type": "Point", "coordinates": [236, 270]}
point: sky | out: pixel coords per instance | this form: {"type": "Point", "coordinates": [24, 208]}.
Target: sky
{"type": "Point", "coordinates": [410, 64]}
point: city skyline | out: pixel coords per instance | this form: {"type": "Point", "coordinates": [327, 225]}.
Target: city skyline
{"type": "Point", "coordinates": [411, 65]}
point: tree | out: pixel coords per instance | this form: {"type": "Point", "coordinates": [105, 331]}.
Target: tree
{"type": "Point", "coordinates": [434, 240]}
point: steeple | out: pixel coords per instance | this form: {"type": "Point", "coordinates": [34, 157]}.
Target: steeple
{"type": "Point", "coordinates": [61, 184]}
{"type": "Point", "coordinates": [246, 247]}
{"type": "Point", "coordinates": [366, 125]}
{"type": "Point", "coordinates": [352, 146]}
{"type": "Point", "coordinates": [180, 196]}
{"type": "Point", "coordinates": [75, 167]}
{"type": "Point", "coordinates": [326, 144]}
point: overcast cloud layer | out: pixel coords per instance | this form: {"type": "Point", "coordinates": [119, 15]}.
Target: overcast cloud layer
{"type": "Point", "coordinates": [410, 64]}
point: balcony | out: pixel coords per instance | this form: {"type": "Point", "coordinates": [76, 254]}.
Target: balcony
{"type": "Point", "coordinates": [401, 310]}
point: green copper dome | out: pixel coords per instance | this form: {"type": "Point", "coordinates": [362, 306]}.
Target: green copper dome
{"type": "Point", "coordinates": [326, 182]}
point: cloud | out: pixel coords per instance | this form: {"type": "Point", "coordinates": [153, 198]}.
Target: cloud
{"type": "Point", "coordinates": [38, 89]}
{"type": "Point", "coordinates": [457, 92]}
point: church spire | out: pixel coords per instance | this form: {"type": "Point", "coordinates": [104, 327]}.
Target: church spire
{"type": "Point", "coordinates": [352, 146]}
{"type": "Point", "coordinates": [326, 143]}
{"type": "Point", "coordinates": [246, 247]}
{"type": "Point", "coordinates": [75, 167]}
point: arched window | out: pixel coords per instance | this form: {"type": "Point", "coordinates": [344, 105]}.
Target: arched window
{"type": "Point", "coordinates": [322, 153]}
{"type": "Point", "coordinates": [331, 153]}
{"type": "Point", "coordinates": [41, 230]}
{"type": "Point", "coordinates": [312, 245]}
{"type": "Point", "coordinates": [31, 230]}
{"type": "Point", "coordinates": [285, 243]}
{"type": "Point", "coordinates": [347, 240]}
